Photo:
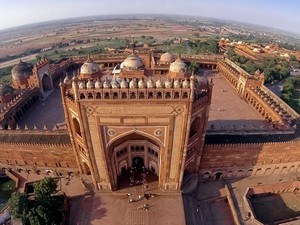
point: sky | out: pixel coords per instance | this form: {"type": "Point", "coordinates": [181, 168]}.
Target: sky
{"type": "Point", "coordinates": [281, 14]}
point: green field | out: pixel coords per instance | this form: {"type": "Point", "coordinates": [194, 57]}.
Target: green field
{"type": "Point", "coordinates": [7, 186]}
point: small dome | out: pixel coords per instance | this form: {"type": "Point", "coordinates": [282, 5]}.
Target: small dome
{"type": "Point", "coordinates": [133, 84]}
{"type": "Point", "coordinates": [177, 84]}
{"type": "Point", "coordinates": [89, 67]}
{"type": "Point", "coordinates": [106, 84]}
{"type": "Point", "coordinates": [150, 84]}
{"type": "Point", "coordinates": [167, 58]}
{"type": "Point", "coordinates": [185, 84]}
{"type": "Point", "coordinates": [142, 84]}
{"type": "Point", "coordinates": [222, 39]}
{"type": "Point", "coordinates": [159, 84]}
{"type": "Point", "coordinates": [168, 84]}
{"type": "Point", "coordinates": [90, 84]}
{"type": "Point", "coordinates": [81, 85]}
{"type": "Point", "coordinates": [5, 89]}
{"type": "Point", "coordinates": [132, 62]}
{"type": "Point", "coordinates": [98, 84]}
{"type": "Point", "coordinates": [114, 84]}
{"type": "Point", "coordinates": [21, 70]}
{"type": "Point", "coordinates": [124, 84]}
{"type": "Point", "coordinates": [178, 66]}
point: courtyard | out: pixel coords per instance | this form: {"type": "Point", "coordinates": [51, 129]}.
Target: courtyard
{"type": "Point", "coordinates": [229, 112]}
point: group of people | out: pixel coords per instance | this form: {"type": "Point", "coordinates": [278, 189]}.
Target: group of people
{"type": "Point", "coordinates": [136, 177]}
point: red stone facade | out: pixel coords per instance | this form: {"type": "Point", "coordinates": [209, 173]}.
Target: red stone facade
{"type": "Point", "coordinates": [240, 160]}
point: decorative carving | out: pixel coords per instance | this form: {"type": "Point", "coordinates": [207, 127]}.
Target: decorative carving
{"type": "Point", "coordinates": [111, 132]}
{"type": "Point", "coordinates": [158, 132]}
{"type": "Point", "coordinates": [90, 110]}
{"type": "Point", "coordinates": [177, 110]}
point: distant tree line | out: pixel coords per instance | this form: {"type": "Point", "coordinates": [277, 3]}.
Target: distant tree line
{"type": "Point", "coordinates": [25, 53]}
{"type": "Point", "coordinates": [208, 46]}
{"type": "Point", "coordinates": [274, 68]}
{"type": "Point", "coordinates": [290, 94]}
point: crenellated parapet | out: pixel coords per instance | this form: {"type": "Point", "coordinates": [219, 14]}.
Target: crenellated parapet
{"type": "Point", "coordinates": [132, 90]}
{"type": "Point", "coordinates": [35, 137]}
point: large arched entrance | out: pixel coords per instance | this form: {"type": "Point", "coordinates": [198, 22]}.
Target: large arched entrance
{"type": "Point", "coordinates": [46, 83]}
{"type": "Point", "coordinates": [135, 160]}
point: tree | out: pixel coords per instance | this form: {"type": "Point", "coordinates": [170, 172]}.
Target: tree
{"type": "Point", "coordinates": [19, 206]}
{"type": "Point", "coordinates": [194, 67]}
{"type": "Point", "coordinates": [44, 209]}
{"type": "Point", "coordinates": [44, 188]}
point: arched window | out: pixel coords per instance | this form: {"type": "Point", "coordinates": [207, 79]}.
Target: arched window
{"type": "Point", "coordinates": [90, 95]}
{"type": "Point", "coordinates": [76, 126]}
{"type": "Point", "coordinates": [82, 96]}
{"type": "Point", "coordinates": [124, 95]}
{"type": "Point", "coordinates": [115, 95]}
{"type": "Point", "coordinates": [159, 95]}
{"type": "Point", "coordinates": [185, 95]}
{"type": "Point", "coordinates": [132, 95]}
{"type": "Point", "coordinates": [150, 95]}
{"type": "Point", "coordinates": [98, 95]}
{"type": "Point", "coordinates": [106, 95]}
{"type": "Point", "coordinates": [176, 95]}
{"type": "Point", "coordinates": [141, 95]}
{"type": "Point", "coordinates": [168, 95]}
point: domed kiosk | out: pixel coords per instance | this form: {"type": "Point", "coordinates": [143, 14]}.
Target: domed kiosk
{"type": "Point", "coordinates": [90, 69]}
{"type": "Point", "coordinates": [178, 69]}
{"type": "Point", "coordinates": [132, 67]}
{"type": "Point", "coordinates": [166, 59]}
{"type": "Point", "coordinates": [20, 74]}
{"type": "Point", "coordinates": [132, 63]}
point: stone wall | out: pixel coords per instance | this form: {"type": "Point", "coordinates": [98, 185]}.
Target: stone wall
{"type": "Point", "coordinates": [40, 158]}
{"type": "Point", "coordinates": [240, 160]}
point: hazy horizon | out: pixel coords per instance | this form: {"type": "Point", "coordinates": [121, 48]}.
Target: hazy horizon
{"type": "Point", "coordinates": [278, 14]}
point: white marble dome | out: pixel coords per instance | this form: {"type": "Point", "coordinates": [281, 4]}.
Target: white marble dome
{"type": "Point", "coordinates": [114, 84]}
{"type": "Point", "coordinates": [132, 62]}
{"type": "Point", "coordinates": [150, 84]}
{"type": "Point", "coordinates": [168, 84]}
{"type": "Point", "coordinates": [142, 84]}
{"type": "Point", "coordinates": [98, 84]}
{"type": "Point", "coordinates": [167, 58]}
{"type": "Point", "coordinates": [159, 84]}
{"type": "Point", "coordinates": [178, 66]}
{"type": "Point", "coordinates": [90, 84]}
{"type": "Point", "coordinates": [21, 70]}
{"type": "Point", "coordinates": [133, 83]}
{"type": "Point", "coordinates": [106, 84]}
{"type": "Point", "coordinates": [124, 84]}
{"type": "Point", "coordinates": [89, 67]}
{"type": "Point", "coordinates": [177, 84]}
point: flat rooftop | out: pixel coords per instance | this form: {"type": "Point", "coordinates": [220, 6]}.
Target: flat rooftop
{"type": "Point", "coordinates": [207, 203]}
{"type": "Point", "coordinates": [276, 207]}
{"type": "Point", "coordinates": [45, 112]}
{"type": "Point", "coordinates": [228, 111]}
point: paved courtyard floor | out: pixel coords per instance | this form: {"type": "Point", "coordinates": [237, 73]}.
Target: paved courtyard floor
{"type": "Point", "coordinates": [47, 112]}
{"type": "Point", "coordinates": [228, 111]}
